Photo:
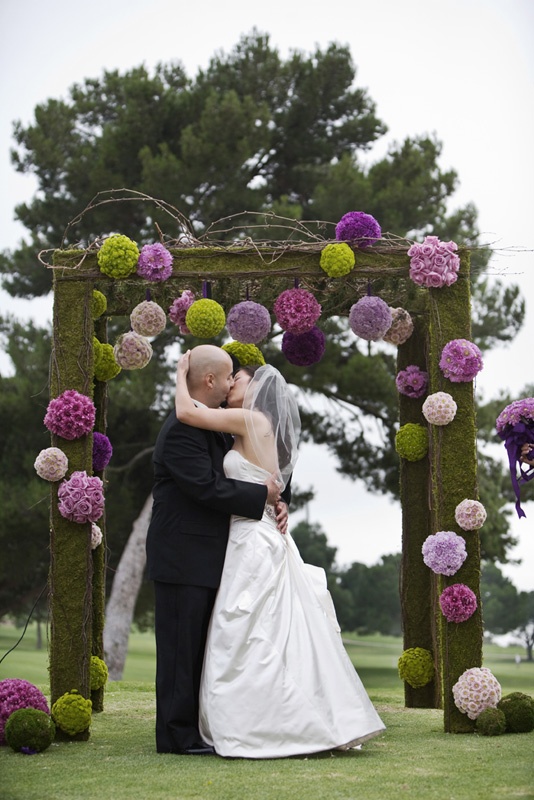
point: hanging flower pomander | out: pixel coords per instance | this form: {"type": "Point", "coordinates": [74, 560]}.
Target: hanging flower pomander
{"type": "Point", "coordinates": [99, 304]}
{"type": "Point", "coordinates": [515, 425]}
{"type": "Point", "coordinates": [460, 361]}
{"type": "Point", "coordinates": [439, 408]}
{"type": "Point", "coordinates": [412, 381]}
{"type": "Point", "coordinates": [416, 667]}
{"type": "Point", "coordinates": [358, 227]}
{"type": "Point", "coordinates": [444, 552]}
{"type": "Point", "coordinates": [401, 327]}
{"type": "Point", "coordinates": [337, 259]}
{"type": "Point", "coordinates": [248, 322]}
{"type": "Point", "coordinates": [411, 441]}
{"type": "Point", "coordinates": [98, 672]}
{"type": "Point", "coordinates": [304, 349]}
{"type": "Point", "coordinates": [296, 310]}
{"type": "Point", "coordinates": [17, 693]}
{"type": "Point", "coordinates": [434, 263]}
{"type": "Point", "coordinates": [105, 367]}
{"type": "Point", "coordinates": [51, 464]}
{"type": "Point", "coordinates": [458, 602]}
{"type": "Point", "coordinates": [205, 318]}
{"type": "Point", "coordinates": [179, 309]}
{"type": "Point", "coordinates": [102, 451]}
{"type": "Point", "coordinates": [475, 690]}
{"type": "Point", "coordinates": [370, 318]}
{"type": "Point", "coordinates": [246, 354]}
{"type": "Point", "coordinates": [470, 515]}
{"type": "Point", "coordinates": [118, 256]}
{"type": "Point", "coordinates": [81, 498]}
{"type": "Point", "coordinates": [70, 415]}
{"type": "Point", "coordinates": [132, 351]}
{"type": "Point", "coordinates": [148, 319]}
{"type": "Point", "coordinates": [72, 712]}
{"type": "Point", "coordinates": [96, 536]}
{"type": "Point", "coordinates": [154, 263]}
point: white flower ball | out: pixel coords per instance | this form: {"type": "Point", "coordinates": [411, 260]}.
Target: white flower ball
{"type": "Point", "coordinates": [439, 408]}
{"type": "Point", "coordinates": [475, 690]}
{"type": "Point", "coordinates": [51, 464]}
{"type": "Point", "coordinates": [96, 536]}
{"type": "Point", "coordinates": [148, 319]}
{"type": "Point", "coordinates": [470, 515]}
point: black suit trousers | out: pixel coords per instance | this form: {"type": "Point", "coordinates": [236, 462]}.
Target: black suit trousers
{"type": "Point", "coordinates": [182, 618]}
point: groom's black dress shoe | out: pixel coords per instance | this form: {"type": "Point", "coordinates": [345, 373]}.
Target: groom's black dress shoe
{"type": "Point", "coordinates": [198, 749]}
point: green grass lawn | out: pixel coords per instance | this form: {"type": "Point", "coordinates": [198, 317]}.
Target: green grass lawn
{"type": "Point", "coordinates": [414, 758]}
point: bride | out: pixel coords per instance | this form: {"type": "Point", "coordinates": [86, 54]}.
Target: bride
{"type": "Point", "coordinates": [276, 680]}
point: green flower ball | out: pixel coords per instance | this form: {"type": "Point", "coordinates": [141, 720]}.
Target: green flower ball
{"type": "Point", "coordinates": [411, 441]}
{"type": "Point", "coordinates": [205, 318]}
{"type": "Point", "coordinates": [97, 351]}
{"type": "Point", "coordinates": [416, 667]}
{"type": "Point", "coordinates": [518, 709]}
{"type": "Point", "coordinates": [491, 722]}
{"type": "Point", "coordinates": [72, 713]}
{"type": "Point", "coordinates": [98, 673]}
{"type": "Point", "coordinates": [99, 304]}
{"type": "Point", "coordinates": [29, 727]}
{"type": "Point", "coordinates": [337, 260]}
{"type": "Point", "coordinates": [118, 256]}
{"type": "Point", "coordinates": [106, 367]}
{"type": "Point", "coordinates": [245, 353]}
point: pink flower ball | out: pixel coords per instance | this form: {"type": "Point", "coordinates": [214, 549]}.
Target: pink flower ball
{"type": "Point", "coordinates": [439, 408]}
{"type": "Point", "coordinates": [179, 309]}
{"type": "Point", "coordinates": [458, 602]}
{"type": "Point", "coordinates": [475, 690]}
{"type": "Point", "coordinates": [16, 693]}
{"type": "Point", "coordinates": [71, 415]}
{"type": "Point", "coordinates": [470, 515]}
{"type": "Point", "coordinates": [148, 319]}
{"type": "Point", "coordinates": [51, 464]}
{"type": "Point", "coordinates": [296, 310]}
{"type": "Point", "coordinates": [81, 498]}
{"type": "Point", "coordinates": [412, 381]}
{"type": "Point", "coordinates": [460, 361]}
{"type": "Point", "coordinates": [370, 318]}
{"type": "Point", "coordinates": [434, 264]}
{"type": "Point", "coordinates": [248, 322]}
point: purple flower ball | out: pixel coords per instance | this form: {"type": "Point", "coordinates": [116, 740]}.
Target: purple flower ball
{"type": "Point", "coordinates": [458, 602]}
{"type": "Point", "coordinates": [304, 349]}
{"type": "Point", "coordinates": [102, 451]}
{"type": "Point", "coordinates": [248, 322]}
{"type": "Point", "coordinates": [359, 228]}
{"type": "Point", "coordinates": [370, 318]}
{"type": "Point", "coordinates": [460, 361]}
{"type": "Point", "coordinates": [15, 694]}
{"type": "Point", "coordinates": [412, 381]}
{"type": "Point", "coordinates": [155, 262]}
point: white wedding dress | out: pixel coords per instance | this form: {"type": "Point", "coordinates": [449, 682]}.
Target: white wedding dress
{"type": "Point", "coordinates": [277, 680]}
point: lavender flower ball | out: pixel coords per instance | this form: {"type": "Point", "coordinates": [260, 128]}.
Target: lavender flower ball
{"type": "Point", "coordinates": [444, 552]}
{"type": "Point", "coordinates": [460, 361]}
{"type": "Point", "coordinates": [102, 451]}
{"type": "Point", "coordinates": [304, 349]}
{"type": "Point", "coordinates": [248, 322]}
{"type": "Point", "coordinates": [155, 262]}
{"type": "Point", "coordinates": [370, 318]}
{"type": "Point", "coordinates": [512, 414]}
{"type": "Point", "coordinates": [16, 693]}
{"type": "Point", "coordinates": [358, 227]}
{"type": "Point", "coordinates": [412, 381]}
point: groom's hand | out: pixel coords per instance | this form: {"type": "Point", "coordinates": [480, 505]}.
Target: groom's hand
{"type": "Point", "coordinates": [273, 490]}
{"type": "Point", "coordinates": [282, 515]}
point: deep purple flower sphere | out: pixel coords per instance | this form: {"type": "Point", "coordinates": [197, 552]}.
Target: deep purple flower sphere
{"type": "Point", "coordinates": [248, 322]}
{"type": "Point", "coordinates": [458, 602]}
{"type": "Point", "coordinates": [304, 349]}
{"type": "Point", "coordinates": [370, 318]}
{"type": "Point", "coordinates": [16, 693]}
{"type": "Point", "coordinates": [359, 228]}
{"type": "Point", "coordinates": [102, 451]}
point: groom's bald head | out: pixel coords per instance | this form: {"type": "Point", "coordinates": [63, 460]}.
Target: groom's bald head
{"type": "Point", "coordinates": [210, 369]}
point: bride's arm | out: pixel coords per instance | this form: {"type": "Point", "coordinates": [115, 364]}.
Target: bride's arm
{"type": "Point", "coordinates": [230, 420]}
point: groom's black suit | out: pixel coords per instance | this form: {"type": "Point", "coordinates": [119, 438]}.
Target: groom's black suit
{"type": "Point", "coordinates": [186, 545]}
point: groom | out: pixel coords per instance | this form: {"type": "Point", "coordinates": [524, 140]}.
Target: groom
{"type": "Point", "coordinates": [186, 545]}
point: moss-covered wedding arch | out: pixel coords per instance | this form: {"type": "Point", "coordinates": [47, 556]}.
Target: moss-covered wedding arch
{"type": "Point", "coordinates": [431, 488]}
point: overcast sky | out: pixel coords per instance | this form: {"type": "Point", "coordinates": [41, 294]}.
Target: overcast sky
{"type": "Point", "coordinates": [462, 69]}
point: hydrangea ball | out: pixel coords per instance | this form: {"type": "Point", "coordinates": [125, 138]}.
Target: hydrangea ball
{"type": "Point", "coordinates": [401, 327]}
{"type": "Point", "coordinates": [246, 354]}
{"type": "Point", "coordinates": [71, 415]}
{"type": "Point", "coordinates": [470, 515]}
{"type": "Point", "coordinates": [99, 304]}
{"type": "Point", "coordinates": [296, 310]}
{"type": "Point", "coordinates": [358, 227]}
{"type": "Point", "coordinates": [179, 309]}
{"type": "Point", "coordinates": [411, 441]}
{"type": "Point", "coordinates": [81, 498]}
{"type": "Point", "coordinates": [370, 318]}
{"type": "Point", "coordinates": [132, 351]}
{"type": "Point", "coordinates": [416, 667]}
{"type": "Point", "coordinates": [118, 256]}
{"type": "Point", "coordinates": [72, 713]}
{"type": "Point", "coordinates": [29, 730]}
{"type": "Point", "coordinates": [412, 381]}
{"type": "Point", "coordinates": [14, 694]}
{"type": "Point", "coordinates": [457, 602]}
{"type": "Point", "coordinates": [248, 322]}
{"type": "Point", "coordinates": [51, 464]}
{"type": "Point", "coordinates": [475, 690]}
{"type": "Point", "coordinates": [444, 552]}
{"type": "Point", "coordinates": [98, 672]}
{"type": "Point", "coordinates": [96, 536]}
{"type": "Point", "coordinates": [148, 319]}
{"type": "Point", "coordinates": [102, 451]}
{"type": "Point", "coordinates": [439, 408]}
{"type": "Point", "coordinates": [460, 361]}
{"type": "Point", "coordinates": [205, 318]}
{"type": "Point", "coordinates": [106, 367]}
{"type": "Point", "coordinates": [337, 260]}
{"type": "Point", "coordinates": [434, 264]}
{"type": "Point", "coordinates": [304, 349]}
{"type": "Point", "coordinates": [154, 263]}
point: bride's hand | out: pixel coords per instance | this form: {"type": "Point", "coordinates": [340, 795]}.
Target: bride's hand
{"type": "Point", "coordinates": [183, 364]}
